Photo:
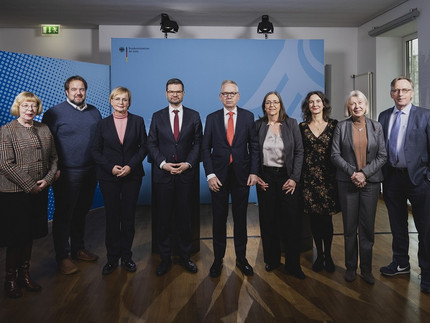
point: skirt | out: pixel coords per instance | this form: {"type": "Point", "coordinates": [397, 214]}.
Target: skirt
{"type": "Point", "coordinates": [23, 217]}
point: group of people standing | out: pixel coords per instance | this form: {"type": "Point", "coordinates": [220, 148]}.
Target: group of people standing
{"type": "Point", "coordinates": [317, 167]}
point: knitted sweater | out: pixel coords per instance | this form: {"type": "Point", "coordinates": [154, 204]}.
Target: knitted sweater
{"type": "Point", "coordinates": [73, 131]}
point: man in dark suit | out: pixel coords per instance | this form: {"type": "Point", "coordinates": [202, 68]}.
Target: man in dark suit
{"type": "Point", "coordinates": [407, 177]}
{"type": "Point", "coordinates": [230, 157]}
{"type": "Point", "coordinates": [174, 145]}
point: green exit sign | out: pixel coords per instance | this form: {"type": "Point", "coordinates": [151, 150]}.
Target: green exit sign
{"type": "Point", "coordinates": [48, 30]}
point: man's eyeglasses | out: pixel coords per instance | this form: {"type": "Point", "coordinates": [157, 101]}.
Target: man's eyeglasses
{"type": "Point", "coordinates": [227, 94]}
{"type": "Point", "coordinates": [397, 91]}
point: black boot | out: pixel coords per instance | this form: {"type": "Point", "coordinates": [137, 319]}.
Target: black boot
{"type": "Point", "coordinates": [24, 279]}
{"type": "Point", "coordinates": [10, 285]}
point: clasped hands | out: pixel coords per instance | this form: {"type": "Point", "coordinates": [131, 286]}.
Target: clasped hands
{"type": "Point", "coordinates": [120, 171]}
{"type": "Point", "coordinates": [289, 186]}
{"type": "Point", "coordinates": [39, 187]}
{"type": "Point", "coordinates": [359, 179]}
{"type": "Point", "coordinates": [176, 168]}
{"type": "Point", "coordinates": [215, 184]}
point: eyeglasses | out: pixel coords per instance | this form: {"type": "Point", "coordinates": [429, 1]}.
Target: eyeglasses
{"type": "Point", "coordinates": [174, 92]}
{"type": "Point", "coordinates": [32, 107]}
{"type": "Point", "coordinates": [397, 91]}
{"type": "Point", "coordinates": [269, 103]}
{"type": "Point", "coordinates": [120, 100]}
{"type": "Point", "coordinates": [227, 94]}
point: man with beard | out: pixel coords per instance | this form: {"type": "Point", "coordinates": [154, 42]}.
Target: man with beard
{"type": "Point", "coordinates": [72, 124]}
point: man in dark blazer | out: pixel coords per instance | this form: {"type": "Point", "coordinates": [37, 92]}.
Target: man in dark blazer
{"type": "Point", "coordinates": [230, 169]}
{"type": "Point", "coordinates": [407, 177]}
{"type": "Point", "coordinates": [175, 164]}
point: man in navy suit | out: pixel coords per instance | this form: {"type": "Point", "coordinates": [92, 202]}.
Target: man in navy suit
{"type": "Point", "coordinates": [174, 145]}
{"type": "Point", "coordinates": [407, 177]}
{"type": "Point", "coordinates": [231, 168]}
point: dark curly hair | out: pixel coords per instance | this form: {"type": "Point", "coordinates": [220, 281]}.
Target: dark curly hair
{"type": "Point", "coordinates": [306, 113]}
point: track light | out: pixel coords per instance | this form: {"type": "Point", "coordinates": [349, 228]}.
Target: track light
{"type": "Point", "coordinates": [410, 16]}
{"type": "Point", "coordinates": [167, 25]}
{"type": "Point", "coordinates": [265, 26]}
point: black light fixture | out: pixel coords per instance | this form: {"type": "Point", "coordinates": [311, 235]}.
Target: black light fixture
{"type": "Point", "coordinates": [167, 25]}
{"type": "Point", "coordinates": [265, 26]}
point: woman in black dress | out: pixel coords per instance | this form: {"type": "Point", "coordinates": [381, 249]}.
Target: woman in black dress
{"type": "Point", "coordinates": [318, 175]}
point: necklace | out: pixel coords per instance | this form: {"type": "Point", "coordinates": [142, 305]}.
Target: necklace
{"type": "Point", "coordinates": [272, 123]}
{"type": "Point", "coordinates": [356, 127]}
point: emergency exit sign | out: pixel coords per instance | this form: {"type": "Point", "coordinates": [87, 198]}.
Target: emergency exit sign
{"type": "Point", "coordinates": [48, 30]}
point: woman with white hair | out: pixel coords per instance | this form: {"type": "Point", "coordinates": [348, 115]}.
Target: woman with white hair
{"type": "Point", "coordinates": [358, 152]}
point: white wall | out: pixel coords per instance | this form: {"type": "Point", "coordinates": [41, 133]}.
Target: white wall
{"type": "Point", "coordinates": [71, 44]}
{"type": "Point", "coordinates": [340, 47]}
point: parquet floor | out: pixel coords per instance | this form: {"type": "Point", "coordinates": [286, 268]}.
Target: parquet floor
{"type": "Point", "coordinates": [183, 297]}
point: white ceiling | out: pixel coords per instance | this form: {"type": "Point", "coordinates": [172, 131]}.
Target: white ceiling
{"type": "Point", "coordinates": [282, 13]}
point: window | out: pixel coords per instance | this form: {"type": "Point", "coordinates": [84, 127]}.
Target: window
{"type": "Point", "coordinates": [411, 63]}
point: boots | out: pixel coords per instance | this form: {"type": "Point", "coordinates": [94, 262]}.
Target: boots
{"type": "Point", "coordinates": [10, 285]}
{"type": "Point", "coordinates": [24, 280]}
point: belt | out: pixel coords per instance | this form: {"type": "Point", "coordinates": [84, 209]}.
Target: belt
{"type": "Point", "coordinates": [399, 170]}
{"type": "Point", "coordinates": [274, 169]}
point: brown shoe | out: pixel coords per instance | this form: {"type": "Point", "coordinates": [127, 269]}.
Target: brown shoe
{"type": "Point", "coordinates": [67, 267]}
{"type": "Point", "coordinates": [85, 255]}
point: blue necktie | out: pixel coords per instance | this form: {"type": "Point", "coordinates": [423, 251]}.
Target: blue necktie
{"type": "Point", "coordinates": [392, 143]}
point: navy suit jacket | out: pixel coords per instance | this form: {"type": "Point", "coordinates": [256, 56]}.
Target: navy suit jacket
{"type": "Point", "coordinates": [245, 149]}
{"type": "Point", "coordinates": [107, 150]}
{"type": "Point", "coordinates": [343, 154]}
{"type": "Point", "coordinates": [417, 142]}
{"type": "Point", "coordinates": [163, 147]}
{"type": "Point", "coordinates": [293, 145]}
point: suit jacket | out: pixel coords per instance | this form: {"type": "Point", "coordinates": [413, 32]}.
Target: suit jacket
{"type": "Point", "coordinates": [343, 155]}
{"type": "Point", "coordinates": [163, 147]}
{"type": "Point", "coordinates": [293, 145]}
{"type": "Point", "coordinates": [26, 156]}
{"type": "Point", "coordinates": [417, 142]}
{"type": "Point", "coordinates": [107, 150]}
{"type": "Point", "coordinates": [216, 150]}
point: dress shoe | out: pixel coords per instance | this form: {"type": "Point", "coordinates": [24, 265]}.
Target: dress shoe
{"type": "Point", "coordinates": [329, 264]}
{"type": "Point", "coordinates": [11, 286]}
{"type": "Point", "coordinates": [270, 267]}
{"type": "Point", "coordinates": [244, 266]}
{"type": "Point", "coordinates": [67, 267]}
{"type": "Point", "coordinates": [296, 272]}
{"type": "Point", "coordinates": [109, 268]}
{"type": "Point", "coordinates": [318, 265]}
{"type": "Point", "coordinates": [368, 278]}
{"type": "Point", "coordinates": [24, 280]}
{"type": "Point", "coordinates": [425, 281]}
{"type": "Point", "coordinates": [188, 265]}
{"type": "Point", "coordinates": [350, 275]}
{"type": "Point", "coordinates": [85, 255]}
{"type": "Point", "coordinates": [163, 267]}
{"type": "Point", "coordinates": [216, 267]}
{"type": "Point", "coordinates": [129, 265]}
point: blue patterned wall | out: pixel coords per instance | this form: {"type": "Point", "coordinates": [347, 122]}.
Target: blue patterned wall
{"type": "Point", "coordinates": [45, 77]}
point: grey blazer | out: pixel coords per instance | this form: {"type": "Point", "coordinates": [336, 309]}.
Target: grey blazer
{"type": "Point", "coordinates": [293, 145]}
{"type": "Point", "coordinates": [343, 155]}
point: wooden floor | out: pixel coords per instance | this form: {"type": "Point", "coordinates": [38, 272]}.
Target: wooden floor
{"type": "Point", "coordinates": [183, 297]}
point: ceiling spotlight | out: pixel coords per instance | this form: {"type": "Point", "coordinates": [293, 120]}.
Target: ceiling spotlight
{"type": "Point", "coordinates": [167, 25]}
{"type": "Point", "coordinates": [265, 26]}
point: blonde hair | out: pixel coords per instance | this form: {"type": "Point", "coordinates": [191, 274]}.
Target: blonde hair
{"type": "Point", "coordinates": [23, 97]}
{"type": "Point", "coordinates": [358, 94]}
{"type": "Point", "coordinates": [120, 90]}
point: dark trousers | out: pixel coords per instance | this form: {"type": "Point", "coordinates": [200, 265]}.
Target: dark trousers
{"type": "Point", "coordinates": [358, 213]}
{"type": "Point", "coordinates": [73, 192]}
{"type": "Point", "coordinates": [397, 190]}
{"type": "Point", "coordinates": [239, 200]}
{"type": "Point", "coordinates": [174, 201]}
{"type": "Point", "coordinates": [280, 219]}
{"type": "Point", "coordinates": [120, 199]}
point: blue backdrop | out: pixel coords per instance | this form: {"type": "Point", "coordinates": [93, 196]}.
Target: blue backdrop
{"type": "Point", "coordinates": [45, 77]}
{"type": "Point", "coordinates": [291, 67]}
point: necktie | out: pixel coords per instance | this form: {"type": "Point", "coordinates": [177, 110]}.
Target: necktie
{"type": "Point", "coordinates": [392, 143]}
{"type": "Point", "coordinates": [230, 132]}
{"type": "Point", "coordinates": [176, 125]}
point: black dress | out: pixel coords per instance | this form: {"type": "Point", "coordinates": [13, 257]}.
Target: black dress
{"type": "Point", "coordinates": [318, 173]}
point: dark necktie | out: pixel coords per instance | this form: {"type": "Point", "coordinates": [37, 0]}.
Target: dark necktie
{"type": "Point", "coordinates": [392, 142]}
{"type": "Point", "coordinates": [176, 125]}
{"type": "Point", "coordinates": [230, 133]}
